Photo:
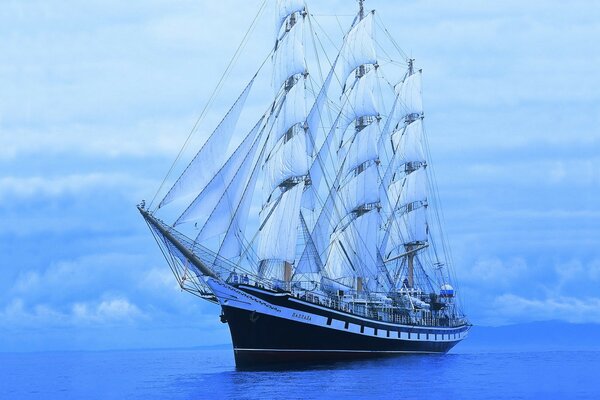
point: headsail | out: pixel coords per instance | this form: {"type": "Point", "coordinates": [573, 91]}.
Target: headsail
{"type": "Point", "coordinates": [205, 202]}
{"type": "Point", "coordinates": [210, 157]}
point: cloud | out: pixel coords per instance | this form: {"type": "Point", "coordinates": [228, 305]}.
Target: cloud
{"type": "Point", "coordinates": [511, 308]}
{"type": "Point", "coordinates": [77, 285]}
{"type": "Point", "coordinates": [91, 275]}
{"type": "Point", "coordinates": [159, 279]}
{"type": "Point", "coordinates": [139, 139]}
{"type": "Point", "coordinates": [109, 323]}
{"type": "Point", "coordinates": [575, 172]}
{"type": "Point", "coordinates": [594, 270]}
{"type": "Point", "coordinates": [495, 272]}
{"type": "Point", "coordinates": [79, 280]}
{"type": "Point", "coordinates": [106, 311]}
{"type": "Point", "coordinates": [568, 271]}
{"type": "Point", "coordinates": [72, 184]}
{"type": "Point", "coordinates": [100, 312]}
{"type": "Point", "coordinates": [114, 80]}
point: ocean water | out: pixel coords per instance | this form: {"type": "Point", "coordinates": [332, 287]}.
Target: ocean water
{"type": "Point", "coordinates": [211, 374]}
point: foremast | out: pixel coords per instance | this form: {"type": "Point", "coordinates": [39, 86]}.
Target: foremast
{"type": "Point", "coordinates": [287, 162]}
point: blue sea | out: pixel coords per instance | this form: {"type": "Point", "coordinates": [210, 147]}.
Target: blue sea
{"type": "Point", "coordinates": [211, 374]}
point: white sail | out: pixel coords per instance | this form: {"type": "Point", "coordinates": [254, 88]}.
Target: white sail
{"type": "Point", "coordinates": [407, 228]}
{"type": "Point", "coordinates": [324, 226]}
{"type": "Point", "coordinates": [388, 231]}
{"type": "Point", "coordinates": [319, 167]}
{"type": "Point", "coordinates": [289, 56]}
{"type": "Point", "coordinates": [363, 147]}
{"type": "Point", "coordinates": [206, 201]}
{"type": "Point", "coordinates": [411, 101]}
{"type": "Point", "coordinates": [315, 116]}
{"type": "Point", "coordinates": [288, 159]}
{"type": "Point", "coordinates": [412, 188]}
{"type": "Point", "coordinates": [364, 231]}
{"type": "Point", "coordinates": [234, 242]}
{"type": "Point", "coordinates": [415, 187]}
{"type": "Point", "coordinates": [358, 48]}
{"type": "Point", "coordinates": [279, 225]}
{"type": "Point", "coordinates": [361, 189]}
{"type": "Point", "coordinates": [223, 213]}
{"type": "Point", "coordinates": [385, 148]}
{"type": "Point", "coordinates": [327, 220]}
{"type": "Point", "coordinates": [316, 139]}
{"type": "Point", "coordinates": [353, 250]}
{"type": "Point", "coordinates": [393, 196]}
{"type": "Point", "coordinates": [210, 157]}
{"type": "Point", "coordinates": [309, 265]}
{"type": "Point", "coordinates": [339, 264]}
{"type": "Point", "coordinates": [387, 200]}
{"type": "Point", "coordinates": [293, 109]}
{"type": "Point", "coordinates": [285, 8]}
{"type": "Point", "coordinates": [360, 99]}
{"type": "Point", "coordinates": [408, 143]}
{"type": "Point", "coordinates": [413, 226]}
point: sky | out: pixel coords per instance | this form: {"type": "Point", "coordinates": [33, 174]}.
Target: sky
{"type": "Point", "coordinates": [98, 97]}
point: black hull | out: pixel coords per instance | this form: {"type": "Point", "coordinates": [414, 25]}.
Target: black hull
{"type": "Point", "coordinates": [260, 339]}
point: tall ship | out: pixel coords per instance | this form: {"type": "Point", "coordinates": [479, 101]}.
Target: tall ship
{"type": "Point", "coordinates": [317, 230]}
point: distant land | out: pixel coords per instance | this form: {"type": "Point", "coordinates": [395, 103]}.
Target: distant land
{"type": "Point", "coordinates": [533, 336]}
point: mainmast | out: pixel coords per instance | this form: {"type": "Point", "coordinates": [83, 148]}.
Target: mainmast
{"type": "Point", "coordinates": [410, 168]}
{"type": "Point", "coordinates": [353, 253]}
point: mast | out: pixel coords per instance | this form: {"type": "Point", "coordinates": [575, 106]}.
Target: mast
{"type": "Point", "coordinates": [411, 167]}
{"type": "Point", "coordinates": [407, 183]}
{"type": "Point", "coordinates": [353, 251]}
{"type": "Point", "coordinates": [286, 165]}
{"type": "Point", "coordinates": [361, 12]}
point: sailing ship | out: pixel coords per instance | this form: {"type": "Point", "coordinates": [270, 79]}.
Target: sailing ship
{"type": "Point", "coordinates": [319, 234]}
